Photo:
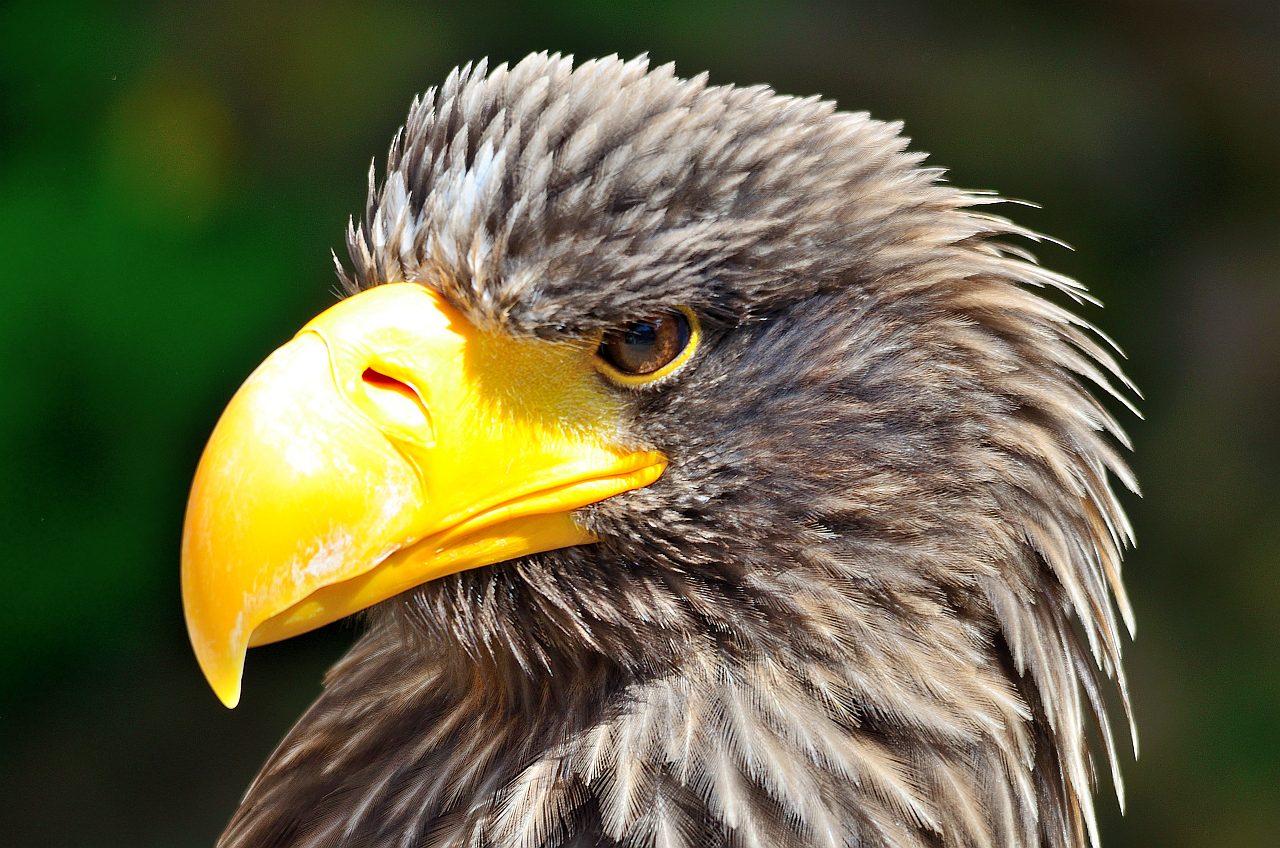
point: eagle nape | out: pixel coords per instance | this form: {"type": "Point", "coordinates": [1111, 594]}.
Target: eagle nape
{"type": "Point", "coordinates": [712, 476]}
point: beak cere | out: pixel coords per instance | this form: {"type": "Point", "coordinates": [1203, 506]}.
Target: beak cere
{"type": "Point", "coordinates": [388, 444]}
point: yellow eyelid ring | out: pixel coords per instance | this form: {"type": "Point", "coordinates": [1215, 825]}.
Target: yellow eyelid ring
{"type": "Point", "coordinates": [637, 380]}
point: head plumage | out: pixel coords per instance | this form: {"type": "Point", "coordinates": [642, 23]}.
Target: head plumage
{"type": "Point", "coordinates": [889, 511]}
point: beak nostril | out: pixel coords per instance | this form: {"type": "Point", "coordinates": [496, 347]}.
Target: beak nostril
{"type": "Point", "coordinates": [396, 400]}
{"type": "Point", "coordinates": [379, 380]}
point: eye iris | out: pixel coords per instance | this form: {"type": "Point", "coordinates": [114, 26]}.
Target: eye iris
{"type": "Point", "coordinates": [646, 346]}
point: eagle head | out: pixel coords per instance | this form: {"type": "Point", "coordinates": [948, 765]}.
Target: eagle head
{"type": "Point", "coordinates": [711, 472]}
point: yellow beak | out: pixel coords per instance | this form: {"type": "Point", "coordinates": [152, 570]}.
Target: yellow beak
{"type": "Point", "coordinates": [388, 444]}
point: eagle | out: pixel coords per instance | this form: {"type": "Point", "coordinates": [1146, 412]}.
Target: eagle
{"type": "Point", "coordinates": [712, 474]}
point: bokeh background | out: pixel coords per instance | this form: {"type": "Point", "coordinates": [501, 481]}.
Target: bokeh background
{"type": "Point", "coordinates": [174, 175]}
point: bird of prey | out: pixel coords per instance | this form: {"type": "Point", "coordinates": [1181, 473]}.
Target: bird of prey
{"type": "Point", "coordinates": [711, 472]}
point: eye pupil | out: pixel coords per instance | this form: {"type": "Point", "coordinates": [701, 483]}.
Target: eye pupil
{"type": "Point", "coordinates": [640, 335]}
{"type": "Point", "coordinates": [644, 347]}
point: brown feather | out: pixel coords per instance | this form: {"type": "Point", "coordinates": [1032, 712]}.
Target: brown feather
{"type": "Point", "coordinates": [850, 612]}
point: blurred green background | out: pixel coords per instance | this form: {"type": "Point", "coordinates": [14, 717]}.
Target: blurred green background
{"type": "Point", "coordinates": [174, 175]}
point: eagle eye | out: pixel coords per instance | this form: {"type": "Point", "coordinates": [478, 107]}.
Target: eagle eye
{"type": "Point", "coordinates": [647, 350]}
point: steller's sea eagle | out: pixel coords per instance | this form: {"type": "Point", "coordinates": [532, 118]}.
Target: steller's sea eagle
{"type": "Point", "coordinates": [712, 475]}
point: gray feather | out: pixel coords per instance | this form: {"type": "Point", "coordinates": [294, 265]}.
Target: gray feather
{"type": "Point", "coordinates": [875, 598]}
